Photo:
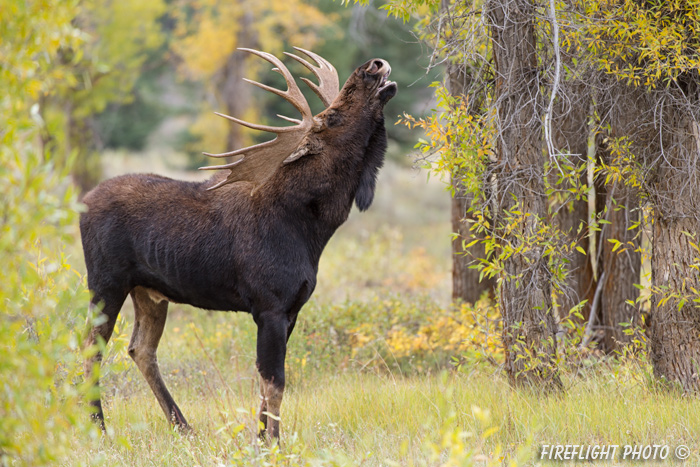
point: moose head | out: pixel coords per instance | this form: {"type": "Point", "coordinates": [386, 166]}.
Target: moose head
{"type": "Point", "coordinates": [362, 98]}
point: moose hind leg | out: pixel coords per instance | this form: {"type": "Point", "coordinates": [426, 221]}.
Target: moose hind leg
{"type": "Point", "coordinates": [148, 328]}
{"type": "Point", "coordinates": [111, 305]}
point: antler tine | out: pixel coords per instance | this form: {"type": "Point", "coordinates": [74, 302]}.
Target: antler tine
{"type": "Point", "coordinates": [236, 153]}
{"type": "Point", "coordinates": [293, 120]}
{"type": "Point", "coordinates": [257, 163]}
{"type": "Point", "coordinates": [293, 94]}
{"type": "Point", "coordinates": [328, 84]}
{"type": "Point", "coordinates": [224, 166]}
{"type": "Point", "coordinates": [255, 126]}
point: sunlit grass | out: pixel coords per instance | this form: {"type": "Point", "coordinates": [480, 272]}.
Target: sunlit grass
{"type": "Point", "coordinates": [379, 415]}
{"type": "Point", "coordinates": [379, 419]}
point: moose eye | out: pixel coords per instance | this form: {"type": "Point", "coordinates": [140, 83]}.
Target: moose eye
{"type": "Point", "coordinates": [333, 119]}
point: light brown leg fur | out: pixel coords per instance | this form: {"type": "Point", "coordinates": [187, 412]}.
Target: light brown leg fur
{"type": "Point", "coordinates": [271, 396]}
{"type": "Point", "coordinates": [148, 328]}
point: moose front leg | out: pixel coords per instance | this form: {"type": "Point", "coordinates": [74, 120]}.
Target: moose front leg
{"type": "Point", "coordinates": [272, 347]}
{"type": "Point", "coordinates": [271, 401]}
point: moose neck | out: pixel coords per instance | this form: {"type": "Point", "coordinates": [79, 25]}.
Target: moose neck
{"type": "Point", "coordinates": [317, 191]}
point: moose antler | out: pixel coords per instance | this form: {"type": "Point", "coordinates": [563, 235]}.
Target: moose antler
{"type": "Point", "coordinates": [327, 76]}
{"type": "Point", "coordinates": [260, 161]}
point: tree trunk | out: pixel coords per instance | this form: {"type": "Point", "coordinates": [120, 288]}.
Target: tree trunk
{"type": "Point", "coordinates": [675, 327]}
{"type": "Point", "coordinates": [234, 91]}
{"type": "Point", "coordinates": [80, 141]}
{"type": "Point", "coordinates": [465, 279]}
{"type": "Point", "coordinates": [570, 126]}
{"type": "Point", "coordinates": [620, 204]}
{"type": "Point", "coordinates": [235, 96]}
{"type": "Point", "coordinates": [525, 294]}
{"type": "Point", "coordinates": [621, 267]}
{"type": "Point", "coordinates": [675, 318]}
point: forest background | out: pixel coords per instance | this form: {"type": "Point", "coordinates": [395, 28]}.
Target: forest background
{"type": "Point", "coordinates": [562, 202]}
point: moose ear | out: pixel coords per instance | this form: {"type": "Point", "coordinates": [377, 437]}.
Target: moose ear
{"type": "Point", "coordinates": [373, 161]}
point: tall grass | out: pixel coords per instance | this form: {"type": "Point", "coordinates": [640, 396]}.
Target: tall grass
{"type": "Point", "coordinates": [363, 418]}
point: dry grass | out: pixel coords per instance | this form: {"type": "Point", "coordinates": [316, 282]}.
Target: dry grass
{"type": "Point", "coordinates": [362, 418]}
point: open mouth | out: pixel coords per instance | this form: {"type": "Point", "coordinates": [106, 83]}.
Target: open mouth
{"type": "Point", "coordinates": [385, 83]}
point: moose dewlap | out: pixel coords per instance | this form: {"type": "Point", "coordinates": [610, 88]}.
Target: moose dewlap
{"type": "Point", "coordinates": [250, 238]}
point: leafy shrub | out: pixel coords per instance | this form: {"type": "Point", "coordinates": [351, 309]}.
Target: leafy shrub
{"type": "Point", "coordinates": [401, 335]}
{"type": "Point", "coordinates": [42, 298]}
{"type": "Point", "coordinates": [43, 301]}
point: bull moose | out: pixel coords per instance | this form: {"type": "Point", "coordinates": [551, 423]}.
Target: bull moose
{"type": "Point", "coordinates": [249, 240]}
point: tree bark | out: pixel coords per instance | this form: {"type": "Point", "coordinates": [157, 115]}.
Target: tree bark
{"type": "Point", "coordinates": [570, 124]}
{"type": "Point", "coordinates": [235, 96]}
{"type": "Point", "coordinates": [81, 140]}
{"type": "Point", "coordinates": [619, 205]}
{"type": "Point", "coordinates": [675, 327]}
{"type": "Point", "coordinates": [525, 295]}
{"type": "Point", "coordinates": [466, 285]}
{"type": "Point", "coordinates": [675, 318]}
{"type": "Point", "coordinates": [622, 267]}
{"type": "Point", "coordinates": [234, 91]}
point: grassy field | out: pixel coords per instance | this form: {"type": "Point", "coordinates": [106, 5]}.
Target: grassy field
{"type": "Point", "coordinates": [362, 418]}
{"type": "Point", "coordinates": [371, 371]}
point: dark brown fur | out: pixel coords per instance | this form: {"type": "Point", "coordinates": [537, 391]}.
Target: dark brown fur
{"type": "Point", "coordinates": [164, 240]}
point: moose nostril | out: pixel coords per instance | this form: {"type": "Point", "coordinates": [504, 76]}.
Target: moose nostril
{"type": "Point", "coordinates": [375, 66]}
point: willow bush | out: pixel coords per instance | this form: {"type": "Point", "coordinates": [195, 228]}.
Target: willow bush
{"type": "Point", "coordinates": [42, 296]}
